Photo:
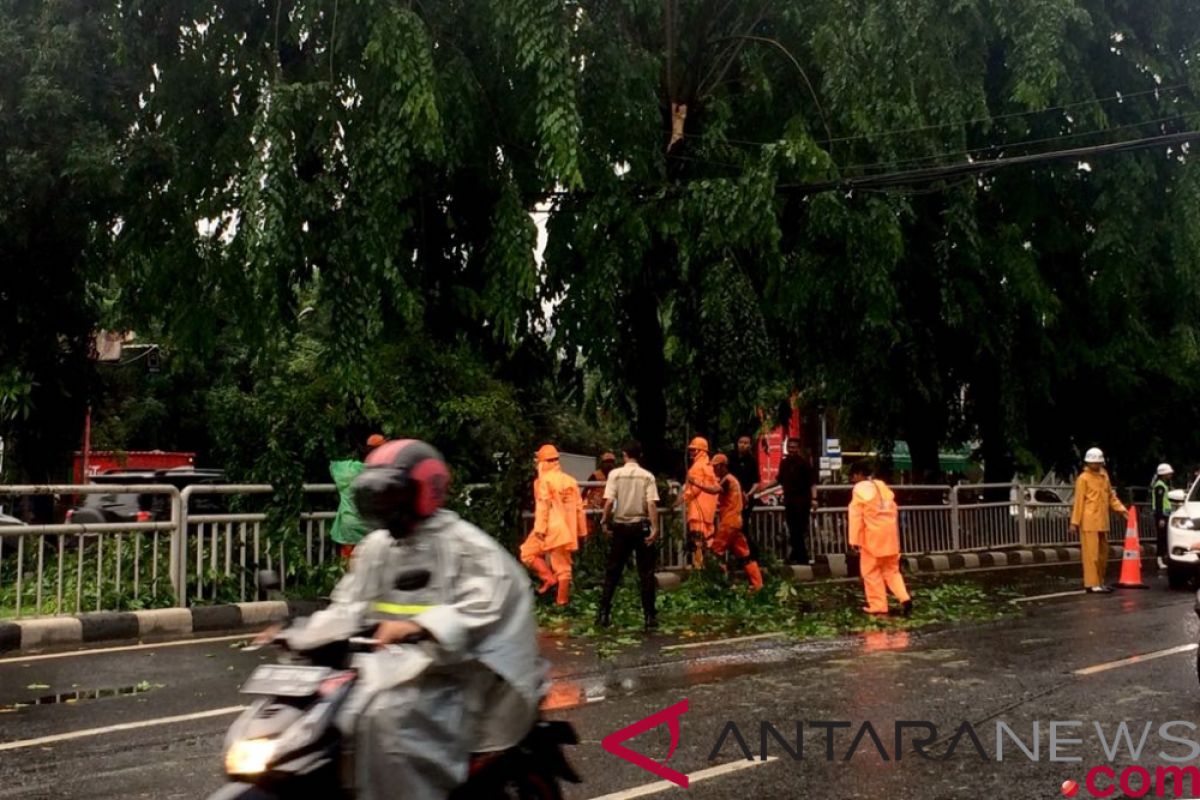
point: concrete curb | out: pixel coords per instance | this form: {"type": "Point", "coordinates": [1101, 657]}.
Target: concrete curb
{"type": "Point", "coordinates": [158, 624]}
{"type": "Point", "coordinates": [834, 565]}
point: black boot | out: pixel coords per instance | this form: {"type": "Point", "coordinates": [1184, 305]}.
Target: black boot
{"type": "Point", "coordinates": [604, 619]}
{"type": "Point", "coordinates": [906, 608]}
{"type": "Point", "coordinates": [651, 622]}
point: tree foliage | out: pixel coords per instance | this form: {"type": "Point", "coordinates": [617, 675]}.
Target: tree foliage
{"type": "Point", "coordinates": [322, 211]}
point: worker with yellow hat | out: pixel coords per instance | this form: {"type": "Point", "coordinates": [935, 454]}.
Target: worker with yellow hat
{"type": "Point", "coordinates": [700, 496]}
{"type": "Point", "coordinates": [730, 537]}
{"type": "Point", "coordinates": [559, 523]}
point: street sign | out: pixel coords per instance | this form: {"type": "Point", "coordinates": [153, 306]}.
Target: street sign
{"type": "Point", "coordinates": [833, 447]}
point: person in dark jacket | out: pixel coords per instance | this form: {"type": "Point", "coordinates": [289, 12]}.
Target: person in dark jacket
{"type": "Point", "coordinates": [799, 498]}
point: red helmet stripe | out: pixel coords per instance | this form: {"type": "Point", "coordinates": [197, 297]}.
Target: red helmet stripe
{"type": "Point", "coordinates": [433, 478]}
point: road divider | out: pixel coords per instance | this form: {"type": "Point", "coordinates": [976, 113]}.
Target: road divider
{"type": "Point", "coordinates": [40, 633]}
{"type": "Point", "coordinates": [1138, 659]}
{"type": "Point", "coordinates": [693, 778]}
{"type": "Point", "coordinates": [1039, 597]}
{"type": "Point", "coordinates": [42, 741]}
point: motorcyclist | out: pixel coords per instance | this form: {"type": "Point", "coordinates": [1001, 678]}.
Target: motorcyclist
{"type": "Point", "coordinates": [458, 670]}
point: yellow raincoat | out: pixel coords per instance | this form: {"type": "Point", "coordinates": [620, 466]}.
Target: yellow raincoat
{"type": "Point", "coordinates": [1094, 498]}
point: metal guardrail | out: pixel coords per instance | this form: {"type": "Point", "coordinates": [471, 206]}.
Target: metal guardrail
{"type": "Point", "coordinates": [199, 557]}
{"type": "Point", "coordinates": [86, 560]}
{"type": "Point", "coordinates": [214, 538]}
{"type": "Point", "coordinates": [933, 519]}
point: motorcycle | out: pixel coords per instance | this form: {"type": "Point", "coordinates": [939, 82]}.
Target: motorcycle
{"type": "Point", "coordinates": [286, 745]}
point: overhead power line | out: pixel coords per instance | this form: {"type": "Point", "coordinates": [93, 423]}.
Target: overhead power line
{"type": "Point", "coordinates": [1119, 97]}
{"type": "Point", "coordinates": [924, 175]}
{"type": "Point", "coordinates": [928, 174]}
{"type": "Point", "coordinates": [998, 146]}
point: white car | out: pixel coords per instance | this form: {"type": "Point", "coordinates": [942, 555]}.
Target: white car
{"type": "Point", "coordinates": [1183, 536]}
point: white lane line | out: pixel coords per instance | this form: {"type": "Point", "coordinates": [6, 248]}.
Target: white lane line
{"type": "Point", "coordinates": [1037, 597]}
{"type": "Point", "coordinates": [125, 726]}
{"type": "Point", "coordinates": [1125, 662]}
{"type": "Point", "coordinates": [126, 648]}
{"type": "Point", "coordinates": [694, 778]}
{"type": "Point", "coordinates": [714, 642]}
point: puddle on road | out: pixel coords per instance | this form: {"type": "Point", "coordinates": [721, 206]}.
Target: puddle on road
{"type": "Point", "coordinates": [81, 695]}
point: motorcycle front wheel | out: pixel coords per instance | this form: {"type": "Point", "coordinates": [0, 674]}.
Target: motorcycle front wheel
{"type": "Point", "coordinates": [533, 787]}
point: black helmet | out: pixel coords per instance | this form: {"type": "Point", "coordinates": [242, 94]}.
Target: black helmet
{"type": "Point", "coordinates": [403, 482]}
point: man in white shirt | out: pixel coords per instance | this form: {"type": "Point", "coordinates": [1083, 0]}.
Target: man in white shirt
{"type": "Point", "coordinates": [630, 518]}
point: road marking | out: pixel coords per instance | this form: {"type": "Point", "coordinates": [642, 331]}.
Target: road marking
{"type": "Point", "coordinates": [1037, 597]}
{"type": "Point", "coordinates": [125, 726]}
{"type": "Point", "coordinates": [693, 778]}
{"type": "Point", "coordinates": [734, 640]}
{"type": "Point", "coordinates": [126, 648]}
{"type": "Point", "coordinates": [1125, 662]}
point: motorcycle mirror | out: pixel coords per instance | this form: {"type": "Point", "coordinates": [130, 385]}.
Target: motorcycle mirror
{"type": "Point", "coordinates": [412, 580]}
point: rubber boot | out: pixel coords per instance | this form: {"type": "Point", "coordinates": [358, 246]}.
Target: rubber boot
{"type": "Point", "coordinates": [542, 570]}
{"type": "Point", "coordinates": [564, 592]}
{"type": "Point", "coordinates": [755, 576]}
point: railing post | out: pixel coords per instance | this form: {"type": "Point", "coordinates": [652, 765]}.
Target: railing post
{"type": "Point", "coordinates": [955, 523]}
{"type": "Point", "coordinates": [179, 515]}
{"type": "Point", "coordinates": [1022, 522]}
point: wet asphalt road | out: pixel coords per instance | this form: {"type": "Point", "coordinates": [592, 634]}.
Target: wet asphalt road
{"type": "Point", "coordinates": [1016, 671]}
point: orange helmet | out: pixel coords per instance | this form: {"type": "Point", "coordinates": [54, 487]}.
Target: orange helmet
{"type": "Point", "coordinates": [699, 443]}
{"type": "Point", "coordinates": [547, 452]}
{"type": "Point", "coordinates": [719, 458]}
{"type": "Point", "coordinates": [375, 439]}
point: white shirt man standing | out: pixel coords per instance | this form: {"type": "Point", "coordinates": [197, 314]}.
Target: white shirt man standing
{"type": "Point", "coordinates": [631, 506]}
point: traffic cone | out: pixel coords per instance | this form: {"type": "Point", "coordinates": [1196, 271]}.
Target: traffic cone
{"type": "Point", "coordinates": [1131, 560]}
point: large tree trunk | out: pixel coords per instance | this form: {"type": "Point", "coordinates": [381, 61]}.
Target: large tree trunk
{"type": "Point", "coordinates": [998, 462]}
{"type": "Point", "coordinates": [646, 369]}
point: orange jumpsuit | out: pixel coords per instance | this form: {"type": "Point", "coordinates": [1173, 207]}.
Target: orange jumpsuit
{"type": "Point", "coordinates": [701, 507]}
{"type": "Point", "coordinates": [559, 522]}
{"type": "Point", "coordinates": [1094, 498]}
{"type": "Point", "coordinates": [875, 527]}
{"type": "Point", "coordinates": [594, 498]}
{"type": "Point", "coordinates": [730, 536]}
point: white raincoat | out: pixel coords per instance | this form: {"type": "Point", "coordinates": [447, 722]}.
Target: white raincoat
{"type": "Point", "coordinates": [421, 710]}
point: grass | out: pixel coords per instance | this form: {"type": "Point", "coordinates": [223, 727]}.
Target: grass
{"type": "Point", "coordinates": [80, 589]}
{"type": "Point", "coordinates": [707, 605]}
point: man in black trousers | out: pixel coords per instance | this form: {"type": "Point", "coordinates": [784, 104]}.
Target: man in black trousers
{"type": "Point", "coordinates": [799, 499]}
{"type": "Point", "coordinates": [631, 506]}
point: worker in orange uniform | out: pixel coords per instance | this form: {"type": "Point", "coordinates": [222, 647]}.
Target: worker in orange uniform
{"type": "Point", "coordinates": [700, 495]}
{"type": "Point", "coordinates": [1094, 497]}
{"type": "Point", "coordinates": [559, 523]}
{"type": "Point", "coordinates": [875, 536]}
{"type": "Point", "coordinates": [594, 496]}
{"type": "Point", "coordinates": [730, 535]}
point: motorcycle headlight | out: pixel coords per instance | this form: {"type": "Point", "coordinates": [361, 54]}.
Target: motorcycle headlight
{"type": "Point", "coordinates": [1183, 523]}
{"type": "Point", "coordinates": [249, 756]}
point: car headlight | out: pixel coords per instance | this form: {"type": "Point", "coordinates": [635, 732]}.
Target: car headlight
{"type": "Point", "coordinates": [1184, 523]}
{"type": "Point", "coordinates": [249, 756]}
